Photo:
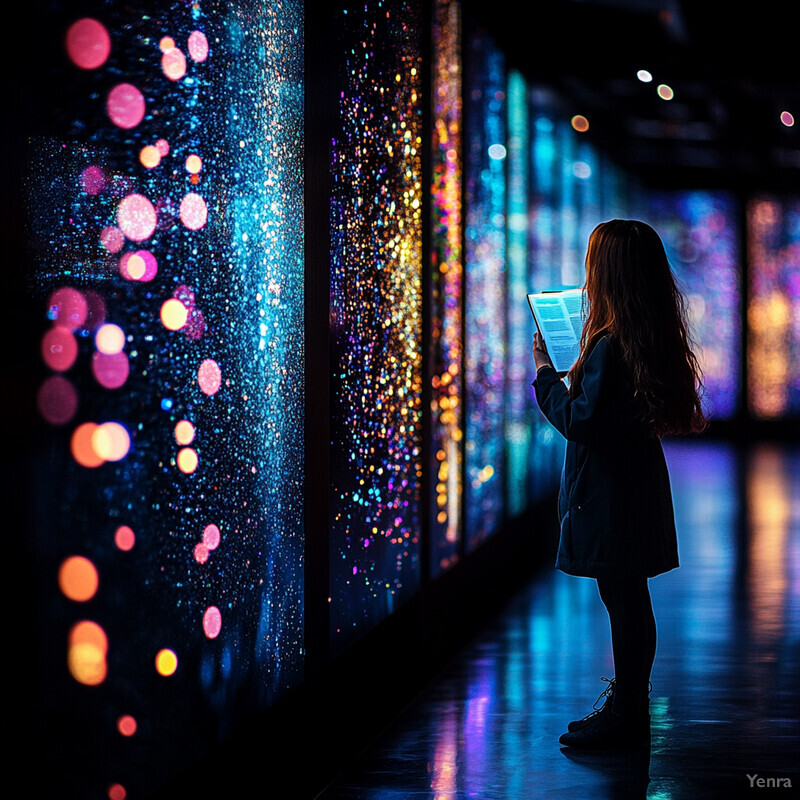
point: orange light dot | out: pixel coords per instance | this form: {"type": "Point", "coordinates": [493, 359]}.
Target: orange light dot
{"type": "Point", "coordinates": [78, 579]}
{"type": "Point", "coordinates": [580, 123]}
{"type": "Point", "coordinates": [86, 654]}
{"type": "Point", "coordinates": [149, 156]}
{"type": "Point", "coordinates": [184, 432]}
{"type": "Point", "coordinates": [665, 92]}
{"type": "Point", "coordinates": [126, 725]}
{"type": "Point", "coordinates": [166, 44]}
{"type": "Point", "coordinates": [124, 538]}
{"type": "Point", "coordinates": [187, 460]}
{"type": "Point", "coordinates": [81, 445]}
{"type": "Point", "coordinates": [166, 662]}
{"type": "Point", "coordinates": [111, 441]}
{"type": "Point", "coordinates": [173, 64]}
{"type": "Point", "coordinates": [174, 314]}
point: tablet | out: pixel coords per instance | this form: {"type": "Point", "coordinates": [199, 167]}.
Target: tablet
{"type": "Point", "coordinates": [559, 317]}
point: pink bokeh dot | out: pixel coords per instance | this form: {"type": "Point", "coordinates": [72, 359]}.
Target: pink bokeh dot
{"type": "Point", "coordinates": [93, 180]}
{"type": "Point", "coordinates": [193, 211]}
{"type": "Point", "coordinates": [211, 536]}
{"type": "Point", "coordinates": [198, 46]}
{"type": "Point", "coordinates": [200, 553]}
{"type": "Point", "coordinates": [125, 106]}
{"type": "Point", "coordinates": [212, 622]}
{"type": "Point", "coordinates": [57, 400]}
{"type": "Point", "coordinates": [59, 348]}
{"type": "Point", "coordinates": [68, 308]}
{"type": "Point", "coordinates": [96, 313]}
{"type": "Point", "coordinates": [151, 265]}
{"type": "Point", "coordinates": [136, 217]}
{"type": "Point", "coordinates": [209, 376]}
{"type": "Point", "coordinates": [124, 538]}
{"type": "Point", "coordinates": [88, 43]}
{"type": "Point", "coordinates": [162, 145]}
{"type": "Point", "coordinates": [110, 370]}
{"type": "Point", "coordinates": [112, 239]}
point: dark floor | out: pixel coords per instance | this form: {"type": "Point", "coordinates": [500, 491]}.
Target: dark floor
{"type": "Point", "coordinates": [726, 684]}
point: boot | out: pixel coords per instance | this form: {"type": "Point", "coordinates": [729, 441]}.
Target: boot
{"type": "Point", "coordinates": [609, 729]}
{"type": "Point", "coordinates": [607, 698]}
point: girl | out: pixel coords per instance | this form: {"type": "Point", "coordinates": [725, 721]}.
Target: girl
{"type": "Point", "coordinates": [636, 379]}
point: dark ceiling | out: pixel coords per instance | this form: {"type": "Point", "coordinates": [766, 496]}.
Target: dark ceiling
{"type": "Point", "coordinates": [733, 68]}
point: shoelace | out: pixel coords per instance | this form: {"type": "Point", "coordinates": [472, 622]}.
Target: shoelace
{"type": "Point", "coordinates": [605, 697]}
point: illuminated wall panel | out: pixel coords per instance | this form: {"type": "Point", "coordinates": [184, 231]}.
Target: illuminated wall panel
{"type": "Point", "coordinates": [485, 336]}
{"type": "Point", "coordinates": [700, 232]}
{"type": "Point", "coordinates": [376, 316]}
{"type": "Point", "coordinates": [519, 400]}
{"type": "Point", "coordinates": [773, 314]}
{"type": "Point", "coordinates": [165, 211]}
{"type": "Point", "coordinates": [552, 237]}
{"type": "Point", "coordinates": [446, 281]}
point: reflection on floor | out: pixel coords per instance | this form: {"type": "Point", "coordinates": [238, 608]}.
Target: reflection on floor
{"type": "Point", "coordinates": [725, 701]}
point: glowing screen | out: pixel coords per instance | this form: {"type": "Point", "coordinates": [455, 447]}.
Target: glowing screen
{"type": "Point", "coordinates": [447, 277]}
{"type": "Point", "coordinates": [773, 314]}
{"type": "Point", "coordinates": [165, 211]}
{"type": "Point", "coordinates": [700, 231]}
{"type": "Point", "coordinates": [376, 316]}
{"type": "Point", "coordinates": [485, 290]}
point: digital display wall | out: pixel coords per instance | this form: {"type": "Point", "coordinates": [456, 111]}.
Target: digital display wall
{"type": "Point", "coordinates": [573, 187]}
{"type": "Point", "coordinates": [485, 287]}
{"type": "Point", "coordinates": [376, 316]}
{"type": "Point", "coordinates": [773, 311]}
{"type": "Point", "coordinates": [165, 216]}
{"type": "Point", "coordinates": [166, 269]}
{"type": "Point", "coordinates": [446, 290]}
{"type": "Point", "coordinates": [519, 400]}
{"type": "Point", "coordinates": [700, 234]}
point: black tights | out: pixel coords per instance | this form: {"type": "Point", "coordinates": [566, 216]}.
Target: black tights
{"type": "Point", "coordinates": [633, 640]}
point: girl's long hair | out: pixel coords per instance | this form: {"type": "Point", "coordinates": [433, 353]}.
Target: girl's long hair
{"type": "Point", "coordinates": [632, 296]}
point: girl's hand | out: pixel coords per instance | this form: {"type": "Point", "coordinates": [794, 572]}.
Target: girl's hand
{"type": "Point", "coordinates": [540, 356]}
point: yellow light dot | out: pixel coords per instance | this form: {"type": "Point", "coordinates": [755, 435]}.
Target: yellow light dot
{"type": "Point", "coordinates": [166, 662]}
{"type": "Point", "coordinates": [194, 164]}
{"type": "Point", "coordinates": [110, 441]}
{"type": "Point", "coordinates": [174, 314]}
{"type": "Point", "coordinates": [136, 266]}
{"type": "Point", "coordinates": [184, 432]}
{"type": "Point", "coordinates": [187, 460]}
{"type": "Point", "coordinates": [86, 653]}
{"type": "Point", "coordinates": [166, 44]}
{"type": "Point", "coordinates": [109, 339]}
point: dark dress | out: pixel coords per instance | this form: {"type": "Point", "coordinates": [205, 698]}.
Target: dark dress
{"type": "Point", "coordinates": [615, 502]}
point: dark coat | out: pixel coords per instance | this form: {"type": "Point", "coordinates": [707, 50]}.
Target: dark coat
{"type": "Point", "coordinates": [615, 503]}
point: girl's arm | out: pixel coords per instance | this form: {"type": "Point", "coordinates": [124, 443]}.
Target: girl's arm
{"type": "Point", "coordinates": [580, 418]}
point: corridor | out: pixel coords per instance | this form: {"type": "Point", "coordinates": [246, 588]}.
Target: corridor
{"type": "Point", "coordinates": [725, 703]}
